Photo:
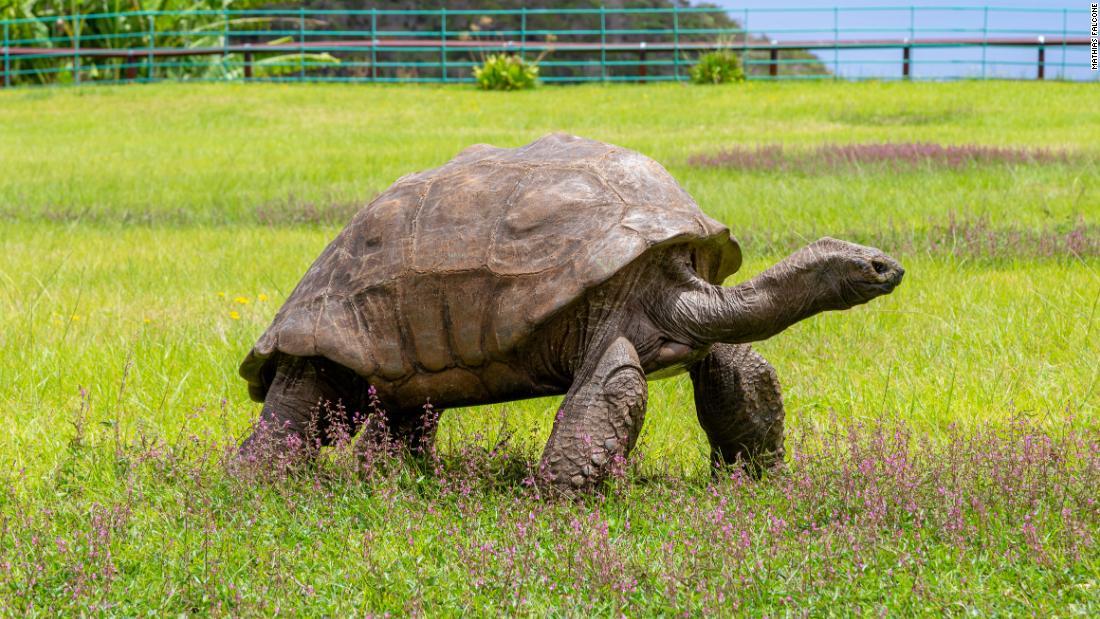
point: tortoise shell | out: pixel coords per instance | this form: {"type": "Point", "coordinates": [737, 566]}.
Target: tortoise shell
{"type": "Point", "coordinates": [458, 265]}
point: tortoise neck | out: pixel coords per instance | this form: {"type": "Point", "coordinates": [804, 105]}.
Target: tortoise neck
{"type": "Point", "coordinates": [751, 311]}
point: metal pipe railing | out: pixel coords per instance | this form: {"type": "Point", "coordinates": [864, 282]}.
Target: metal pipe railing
{"type": "Point", "coordinates": [617, 44]}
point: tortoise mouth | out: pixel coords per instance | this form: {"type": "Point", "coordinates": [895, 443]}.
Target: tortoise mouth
{"type": "Point", "coordinates": [888, 271]}
{"type": "Point", "coordinates": [886, 276]}
{"type": "Point", "coordinates": [891, 279]}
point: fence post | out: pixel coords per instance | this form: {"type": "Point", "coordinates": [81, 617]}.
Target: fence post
{"type": "Point", "coordinates": [76, 48]}
{"type": "Point", "coordinates": [443, 42]}
{"type": "Point", "coordinates": [773, 60]}
{"type": "Point", "coordinates": [836, 42]}
{"type": "Point", "coordinates": [603, 43]}
{"type": "Point", "coordinates": [301, 43]}
{"type": "Point", "coordinates": [745, 43]}
{"type": "Point", "coordinates": [912, 39]}
{"type": "Point", "coordinates": [643, 69]}
{"type": "Point", "coordinates": [225, 41]}
{"type": "Point", "coordinates": [1064, 43]}
{"type": "Point", "coordinates": [985, 36]}
{"type": "Point", "coordinates": [248, 62]}
{"type": "Point", "coordinates": [912, 23]}
{"type": "Point", "coordinates": [676, 40]}
{"type": "Point", "coordinates": [1042, 57]}
{"type": "Point", "coordinates": [131, 66]}
{"type": "Point", "coordinates": [523, 33]}
{"type": "Point", "coordinates": [905, 58]}
{"type": "Point", "coordinates": [152, 71]}
{"type": "Point", "coordinates": [373, 45]}
{"type": "Point", "coordinates": [6, 82]}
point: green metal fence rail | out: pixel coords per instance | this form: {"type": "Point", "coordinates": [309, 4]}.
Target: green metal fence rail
{"type": "Point", "coordinates": [602, 44]}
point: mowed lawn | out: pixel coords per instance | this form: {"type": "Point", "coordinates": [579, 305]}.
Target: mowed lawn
{"type": "Point", "coordinates": [149, 233]}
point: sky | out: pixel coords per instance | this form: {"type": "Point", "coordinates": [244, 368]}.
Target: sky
{"type": "Point", "coordinates": [937, 18]}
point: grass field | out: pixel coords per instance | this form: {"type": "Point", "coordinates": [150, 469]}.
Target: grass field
{"type": "Point", "coordinates": [945, 446]}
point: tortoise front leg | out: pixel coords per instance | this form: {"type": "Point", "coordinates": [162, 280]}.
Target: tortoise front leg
{"type": "Point", "coordinates": [309, 399]}
{"type": "Point", "coordinates": [740, 406]}
{"type": "Point", "coordinates": [599, 420]}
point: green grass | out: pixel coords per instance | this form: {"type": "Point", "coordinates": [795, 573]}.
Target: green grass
{"type": "Point", "coordinates": [214, 154]}
{"type": "Point", "coordinates": [1008, 335]}
{"type": "Point", "coordinates": [132, 219]}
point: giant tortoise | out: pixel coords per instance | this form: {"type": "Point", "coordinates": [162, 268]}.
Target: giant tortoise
{"type": "Point", "coordinates": [566, 266]}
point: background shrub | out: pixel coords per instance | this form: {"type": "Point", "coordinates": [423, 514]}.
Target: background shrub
{"type": "Point", "coordinates": [718, 68]}
{"type": "Point", "coordinates": [506, 72]}
{"type": "Point", "coordinates": [195, 23]}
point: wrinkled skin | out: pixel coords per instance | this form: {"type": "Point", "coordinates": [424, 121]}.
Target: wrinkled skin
{"type": "Point", "coordinates": [662, 312]}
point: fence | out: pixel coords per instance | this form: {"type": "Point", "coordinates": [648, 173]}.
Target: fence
{"type": "Point", "coordinates": [598, 44]}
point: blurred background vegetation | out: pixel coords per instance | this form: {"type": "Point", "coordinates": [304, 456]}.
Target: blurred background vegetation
{"type": "Point", "coordinates": [209, 23]}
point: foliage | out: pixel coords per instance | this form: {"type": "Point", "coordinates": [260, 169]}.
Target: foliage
{"type": "Point", "coordinates": [492, 27]}
{"type": "Point", "coordinates": [286, 64]}
{"type": "Point", "coordinates": [720, 67]}
{"type": "Point", "coordinates": [59, 24]}
{"type": "Point", "coordinates": [872, 518]}
{"type": "Point", "coordinates": [203, 25]}
{"type": "Point", "coordinates": [506, 72]}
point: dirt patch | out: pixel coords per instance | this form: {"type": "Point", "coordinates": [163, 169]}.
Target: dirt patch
{"type": "Point", "coordinates": [901, 118]}
{"type": "Point", "coordinates": [292, 210]}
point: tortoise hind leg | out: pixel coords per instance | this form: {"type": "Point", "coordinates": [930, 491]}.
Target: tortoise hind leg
{"type": "Point", "coordinates": [411, 431]}
{"type": "Point", "coordinates": [740, 406]}
{"type": "Point", "coordinates": [415, 430]}
{"type": "Point", "coordinates": [599, 420]}
{"type": "Point", "coordinates": [311, 403]}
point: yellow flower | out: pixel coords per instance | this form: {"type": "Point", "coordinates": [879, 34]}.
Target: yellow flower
{"type": "Point", "coordinates": [262, 297]}
{"type": "Point", "coordinates": [76, 317]}
{"type": "Point", "coordinates": [241, 300]}
{"type": "Point", "coordinates": [147, 320]}
{"type": "Point", "coordinates": [235, 315]}
{"type": "Point", "coordinates": [221, 294]}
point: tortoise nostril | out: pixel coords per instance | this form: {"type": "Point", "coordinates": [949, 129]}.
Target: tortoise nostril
{"type": "Point", "coordinates": [879, 266]}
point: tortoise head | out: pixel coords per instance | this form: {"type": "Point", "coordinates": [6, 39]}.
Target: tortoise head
{"type": "Point", "coordinates": [838, 275]}
{"type": "Point", "coordinates": [827, 274]}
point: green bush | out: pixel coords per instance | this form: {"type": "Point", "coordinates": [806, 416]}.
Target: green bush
{"type": "Point", "coordinates": [506, 72]}
{"type": "Point", "coordinates": [194, 23]}
{"type": "Point", "coordinates": [718, 68]}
